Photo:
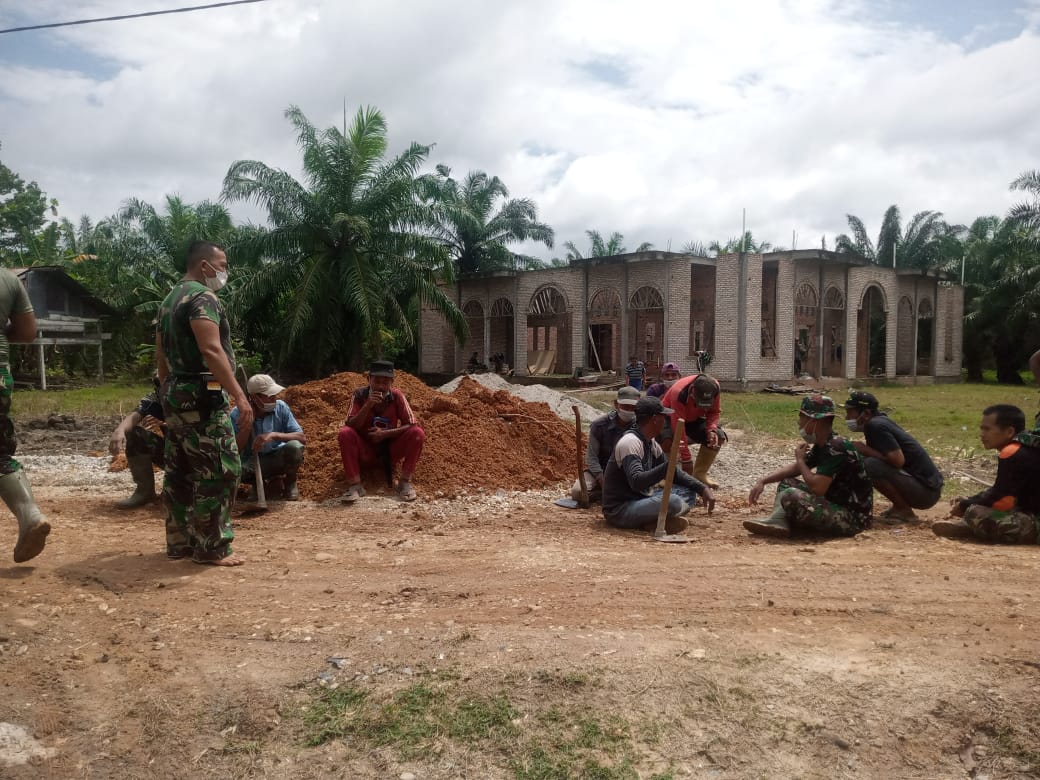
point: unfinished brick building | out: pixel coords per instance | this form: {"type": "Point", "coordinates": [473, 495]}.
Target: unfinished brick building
{"type": "Point", "coordinates": [822, 314]}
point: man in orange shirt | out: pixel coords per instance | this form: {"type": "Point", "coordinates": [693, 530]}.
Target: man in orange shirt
{"type": "Point", "coordinates": [696, 399]}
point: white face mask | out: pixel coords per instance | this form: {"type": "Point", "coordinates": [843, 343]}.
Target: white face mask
{"type": "Point", "coordinates": [670, 382]}
{"type": "Point", "coordinates": [216, 283]}
{"type": "Point", "coordinates": [269, 407]}
{"type": "Point", "coordinates": [809, 438]}
{"type": "Point", "coordinates": [626, 416]}
{"type": "Point", "coordinates": [853, 425]}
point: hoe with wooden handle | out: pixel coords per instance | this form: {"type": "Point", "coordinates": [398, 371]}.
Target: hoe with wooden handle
{"type": "Point", "coordinates": [261, 498]}
{"type": "Point", "coordinates": [583, 501]}
{"type": "Point", "coordinates": [662, 513]}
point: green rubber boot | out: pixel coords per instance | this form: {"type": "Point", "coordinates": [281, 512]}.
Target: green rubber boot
{"type": "Point", "coordinates": [32, 527]}
{"type": "Point", "coordinates": [144, 493]}
{"type": "Point", "coordinates": [775, 525]}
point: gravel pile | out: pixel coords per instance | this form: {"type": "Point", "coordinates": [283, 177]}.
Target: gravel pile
{"type": "Point", "coordinates": [74, 471]}
{"type": "Point", "coordinates": [560, 403]}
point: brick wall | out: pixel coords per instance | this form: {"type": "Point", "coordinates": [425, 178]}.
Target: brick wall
{"type": "Point", "coordinates": [678, 280]}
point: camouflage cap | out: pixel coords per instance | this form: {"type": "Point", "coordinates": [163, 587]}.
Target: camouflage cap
{"type": "Point", "coordinates": [817, 406]}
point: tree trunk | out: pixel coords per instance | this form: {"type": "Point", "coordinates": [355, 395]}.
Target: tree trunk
{"type": "Point", "coordinates": [1008, 364]}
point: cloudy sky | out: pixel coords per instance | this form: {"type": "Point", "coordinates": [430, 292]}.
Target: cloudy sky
{"type": "Point", "coordinates": [661, 120]}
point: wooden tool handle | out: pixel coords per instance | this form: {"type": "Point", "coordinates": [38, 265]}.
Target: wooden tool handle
{"type": "Point", "coordinates": [673, 458]}
{"type": "Point", "coordinates": [583, 501]}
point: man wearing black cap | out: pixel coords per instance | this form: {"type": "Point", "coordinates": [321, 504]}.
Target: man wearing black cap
{"type": "Point", "coordinates": [630, 499]}
{"type": "Point", "coordinates": [380, 417]}
{"type": "Point", "coordinates": [696, 399]}
{"type": "Point", "coordinates": [896, 463]}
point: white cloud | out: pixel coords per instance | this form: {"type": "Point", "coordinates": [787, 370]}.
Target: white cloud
{"type": "Point", "coordinates": [661, 121]}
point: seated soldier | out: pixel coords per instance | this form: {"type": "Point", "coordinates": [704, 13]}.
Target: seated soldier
{"type": "Point", "coordinates": [1008, 512]}
{"type": "Point", "coordinates": [275, 435]}
{"type": "Point", "coordinates": [630, 496]}
{"type": "Point", "coordinates": [896, 463]}
{"type": "Point", "coordinates": [670, 374]}
{"type": "Point", "coordinates": [141, 435]}
{"type": "Point", "coordinates": [826, 490]}
{"type": "Point", "coordinates": [604, 434]}
{"type": "Point", "coordinates": [380, 422]}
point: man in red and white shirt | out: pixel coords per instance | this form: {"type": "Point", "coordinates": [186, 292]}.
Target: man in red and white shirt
{"type": "Point", "coordinates": [380, 421]}
{"type": "Point", "coordinates": [696, 399]}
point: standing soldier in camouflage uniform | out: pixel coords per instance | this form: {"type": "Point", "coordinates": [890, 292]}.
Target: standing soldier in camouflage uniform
{"type": "Point", "coordinates": [19, 325]}
{"type": "Point", "coordinates": [196, 367]}
{"type": "Point", "coordinates": [142, 434]}
{"type": "Point", "coordinates": [826, 490]}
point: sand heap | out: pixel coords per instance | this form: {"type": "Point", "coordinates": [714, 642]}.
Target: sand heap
{"type": "Point", "coordinates": [475, 438]}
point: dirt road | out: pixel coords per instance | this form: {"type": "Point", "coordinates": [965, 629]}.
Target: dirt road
{"type": "Point", "coordinates": [892, 655]}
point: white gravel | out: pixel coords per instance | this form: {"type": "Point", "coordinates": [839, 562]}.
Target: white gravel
{"type": "Point", "coordinates": [560, 403]}
{"type": "Point", "coordinates": [74, 471]}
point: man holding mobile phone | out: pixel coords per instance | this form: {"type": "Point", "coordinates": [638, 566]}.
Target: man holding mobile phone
{"type": "Point", "coordinates": [380, 417]}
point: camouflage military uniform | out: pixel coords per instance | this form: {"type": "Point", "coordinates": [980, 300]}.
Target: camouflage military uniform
{"type": "Point", "coordinates": [1003, 527]}
{"type": "Point", "coordinates": [16, 301]}
{"type": "Point", "coordinates": [202, 463]}
{"type": "Point", "coordinates": [8, 441]}
{"type": "Point", "coordinates": [846, 508]}
{"type": "Point", "coordinates": [146, 438]}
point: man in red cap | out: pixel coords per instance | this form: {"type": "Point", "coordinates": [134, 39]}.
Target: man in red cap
{"type": "Point", "coordinates": [696, 399]}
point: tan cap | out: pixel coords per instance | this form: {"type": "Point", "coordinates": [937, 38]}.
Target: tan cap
{"type": "Point", "coordinates": [262, 384]}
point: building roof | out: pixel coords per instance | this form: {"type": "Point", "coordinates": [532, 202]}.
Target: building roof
{"type": "Point", "coordinates": [59, 272]}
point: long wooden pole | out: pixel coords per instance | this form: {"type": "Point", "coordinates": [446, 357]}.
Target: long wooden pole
{"type": "Point", "coordinates": [673, 458]}
{"type": "Point", "coordinates": [583, 500]}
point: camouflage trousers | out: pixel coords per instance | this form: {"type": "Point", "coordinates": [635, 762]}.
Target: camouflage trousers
{"type": "Point", "coordinates": [807, 511]}
{"type": "Point", "coordinates": [1011, 527]}
{"type": "Point", "coordinates": [141, 441]}
{"type": "Point", "coordinates": [201, 477]}
{"type": "Point", "coordinates": [8, 441]}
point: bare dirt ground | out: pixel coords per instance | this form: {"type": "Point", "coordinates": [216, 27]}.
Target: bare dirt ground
{"type": "Point", "coordinates": [892, 655]}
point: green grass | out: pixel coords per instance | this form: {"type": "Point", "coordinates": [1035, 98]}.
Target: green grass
{"type": "Point", "coordinates": [944, 418]}
{"type": "Point", "coordinates": [100, 401]}
{"type": "Point", "coordinates": [548, 739]}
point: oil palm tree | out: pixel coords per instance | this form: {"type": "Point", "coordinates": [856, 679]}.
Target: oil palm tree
{"type": "Point", "coordinates": [615, 245]}
{"type": "Point", "coordinates": [476, 220]}
{"type": "Point", "coordinates": [1027, 214]}
{"type": "Point", "coordinates": [922, 245]}
{"type": "Point", "coordinates": [1001, 298]}
{"type": "Point", "coordinates": [347, 248]}
{"type": "Point", "coordinates": [747, 243]}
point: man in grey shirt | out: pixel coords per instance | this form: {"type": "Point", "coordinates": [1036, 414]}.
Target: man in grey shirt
{"type": "Point", "coordinates": [604, 434]}
{"type": "Point", "coordinates": [631, 498]}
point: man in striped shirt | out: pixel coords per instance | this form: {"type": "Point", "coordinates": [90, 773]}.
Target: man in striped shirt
{"type": "Point", "coordinates": [636, 372]}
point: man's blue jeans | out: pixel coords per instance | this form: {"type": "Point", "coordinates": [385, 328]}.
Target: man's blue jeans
{"type": "Point", "coordinates": [636, 514]}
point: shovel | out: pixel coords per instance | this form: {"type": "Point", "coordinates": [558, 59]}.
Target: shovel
{"type": "Point", "coordinates": [260, 507]}
{"type": "Point", "coordinates": [662, 514]}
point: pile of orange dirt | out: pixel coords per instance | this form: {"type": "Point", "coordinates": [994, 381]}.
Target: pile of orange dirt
{"type": "Point", "coordinates": [475, 438]}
